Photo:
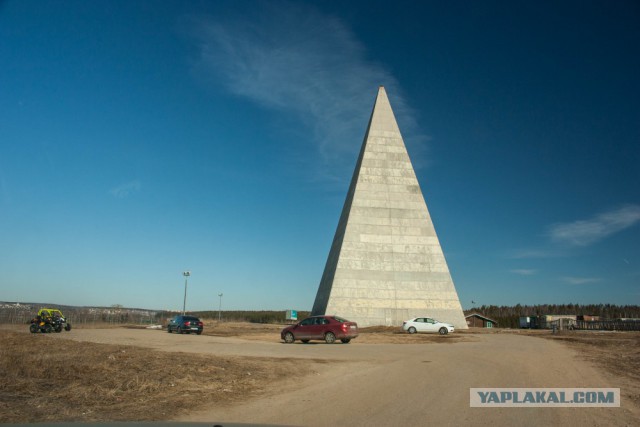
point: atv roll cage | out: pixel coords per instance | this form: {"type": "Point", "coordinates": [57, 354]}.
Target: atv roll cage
{"type": "Point", "coordinates": [49, 320]}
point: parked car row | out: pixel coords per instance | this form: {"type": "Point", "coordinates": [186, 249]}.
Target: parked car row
{"type": "Point", "coordinates": [325, 328]}
{"type": "Point", "coordinates": [332, 328]}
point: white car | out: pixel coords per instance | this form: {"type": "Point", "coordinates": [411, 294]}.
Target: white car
{"type": "Point", "coordinates": [426, 324]}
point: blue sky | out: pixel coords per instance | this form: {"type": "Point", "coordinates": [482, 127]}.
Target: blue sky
{"type": "Point", "coordinates": [142, 139]}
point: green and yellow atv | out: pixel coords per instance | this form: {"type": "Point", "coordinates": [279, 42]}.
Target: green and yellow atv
{"type": "Point", "coordinates": [49, 320]}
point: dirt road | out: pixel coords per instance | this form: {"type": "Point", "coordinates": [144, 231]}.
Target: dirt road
{"type": "Point", "coordinates": [389, 384]}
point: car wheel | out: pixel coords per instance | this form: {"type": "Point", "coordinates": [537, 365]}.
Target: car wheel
{"type": "Point", "coordinates": [48, 329]}
{"type": "Point", "coordinates": [67, 327]}
{"type": "Point", "coordinates": [329, 337]}
{"type": "Point", "coordinates": [305, 341]}
{"type": "Point", "coordinates": [345, 340]}
{"type": "Point", "coordinates": [443, 331]}
{"type": "Point", "coordinates": [58, 329]}
{"type": "Point", "coordinates": [199, 332]}
{"type": "Point", "coordinates": [412, 330]}
{"type": "Point", "coordinates": [169, 329]}
{"type": "Point", "coordinates": [33, 328]}
{"type": "Point", "coordinates": [179, 330]}
{"type": "Point", "coordinates": [289, 338]}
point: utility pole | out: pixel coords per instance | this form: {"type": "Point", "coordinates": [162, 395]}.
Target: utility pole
{"type": "Point", "coordinates": [186, 275]}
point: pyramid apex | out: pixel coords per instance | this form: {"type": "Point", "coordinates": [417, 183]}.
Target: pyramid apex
{"type": "Point", "coordinates": [382, 91]}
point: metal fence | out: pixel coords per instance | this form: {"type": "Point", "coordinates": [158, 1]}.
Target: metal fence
{"type": "Point", "coordinates": [22, 314]}
{"type": "Point", "coordinates": [15, 316]}
{"type": "Point", "coordinates": [607, 325]}
{"type": "Point", "coordinates": [594, 325]}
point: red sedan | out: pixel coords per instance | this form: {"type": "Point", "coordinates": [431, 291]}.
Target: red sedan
{"type": "Point", "coordinates": [327, 328]}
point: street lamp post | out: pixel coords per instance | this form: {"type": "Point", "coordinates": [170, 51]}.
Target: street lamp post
{"type": "Point", "coordinates": [220, 308]}
{"type": "Point", "coordinates": [186, 275]}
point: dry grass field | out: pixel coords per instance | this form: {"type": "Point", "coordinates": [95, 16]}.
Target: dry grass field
{"type": "Point", "coordinates": [68, 380]}
{"type": "Point", "coordinates": [617, 353]}
{"type": "Point", "coordinates": [44, 380]}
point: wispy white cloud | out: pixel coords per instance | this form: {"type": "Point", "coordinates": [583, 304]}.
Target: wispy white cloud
{"type": "Point", "coordinates": [524, 271]}
{"type": "Point", "coordinates": [292, 57]}
{"type": "Point", "coordinates": [126, 189]}
{"type": "Point", "coordinates": [586, 232]}
{"type": "Point", "coordinates": [580, 280]}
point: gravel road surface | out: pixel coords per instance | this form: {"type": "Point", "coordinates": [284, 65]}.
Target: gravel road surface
{"type": "Point", "coordinates": [396, 385]}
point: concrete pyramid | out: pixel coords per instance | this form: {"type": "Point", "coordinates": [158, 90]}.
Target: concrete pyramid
{"type": "Point", "coordinates": [386, 264]}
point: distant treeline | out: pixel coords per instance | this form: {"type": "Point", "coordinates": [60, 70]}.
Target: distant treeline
{"type": "Point", "coordinates": [263, 316]}
{"type": "Point", "coordinates": [509, 316]}
{"type": "Point", "coordinates": [506, 316]}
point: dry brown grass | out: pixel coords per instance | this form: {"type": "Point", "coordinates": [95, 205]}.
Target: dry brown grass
{"type": "Point", "coordinates": [241, 329]}
{"type": "Point", "coordinates": [618, 353]}
{"type": "Point", "coordinates": [73, 381]}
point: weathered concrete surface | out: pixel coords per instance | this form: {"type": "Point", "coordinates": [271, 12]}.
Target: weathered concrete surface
{"type": "Point", "coordinates": [386, 264]}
